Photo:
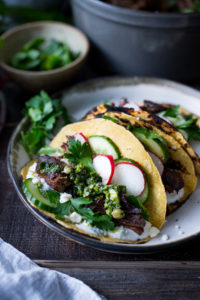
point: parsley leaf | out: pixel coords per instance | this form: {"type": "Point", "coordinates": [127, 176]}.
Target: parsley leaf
{"type": "Point", "coordinates": [79, 153]}
{"type": "Point", "coordinates": [135, 202]}
{"type": "Point", "coordinates": [172, 112]}
{"type": "Point", "coordinates": [43, 113]}
{"type": "Point", "coordinates": [36, 56]}
{"type": "Point", "coordinates": [191, 128]}
{"type": "Point", "coordinates": [63, 209]}
{"type": "Point", "coordinates": [103, 222]}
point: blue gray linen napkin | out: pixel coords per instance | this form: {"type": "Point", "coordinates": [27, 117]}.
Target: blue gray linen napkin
{"type": "Point", "coordinates": [21, 278]}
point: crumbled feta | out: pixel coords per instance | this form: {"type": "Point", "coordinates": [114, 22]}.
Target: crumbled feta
{"type": "Point", "coordinates": [174, 196]}
{"type": "Point", "coordinates": [32, 171]}
{"type": "Point", "coordinates": [67, 169]}
{"type": "Point", "coordinates": [177, 226]}
{"type": "Point", "coordinates": [35, 180]}
{"type": "Point", "coordinates": [165, 237]}
{"type": "Point", "coordinates": [75, 218]}
{"type": "Point", "coordinates": [64, 197]}
{"type": "Point", "coordinates": [173, 147]}
{"type": "Point", "coordinates": [181, 232]}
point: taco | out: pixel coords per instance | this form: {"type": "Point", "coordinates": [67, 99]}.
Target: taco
{"type": "Point", "coordinates": [185, 124]}
{"type": "Point", "coordinates": [96, 178]}
{"type": "Point", "coordinates": [173, 162]}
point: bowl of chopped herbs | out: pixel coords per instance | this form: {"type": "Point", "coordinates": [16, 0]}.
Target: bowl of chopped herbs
{"type": "Point", "coordinates": [43, 55]}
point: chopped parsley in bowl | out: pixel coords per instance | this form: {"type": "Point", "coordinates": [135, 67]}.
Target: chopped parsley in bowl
{"type": "Point", "coordinates": [40, 55]}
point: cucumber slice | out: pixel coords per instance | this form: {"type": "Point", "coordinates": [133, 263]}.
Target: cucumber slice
{"type": "Point", "coordinates": [126, 160]}
{"type": "Point", "coordinates": [103, 145]}
{"type": "Point", "coordinates": [38, 198]}
{"type": "Point", "coordinates": [145, 195]}
{"type": "Point", "coordinates": [142, 198]}
{"type": "Point", "coordinates": [152, 142]}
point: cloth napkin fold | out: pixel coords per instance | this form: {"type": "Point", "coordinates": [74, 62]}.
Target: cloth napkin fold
{"type": "Point", "coordinates": [21, 278]}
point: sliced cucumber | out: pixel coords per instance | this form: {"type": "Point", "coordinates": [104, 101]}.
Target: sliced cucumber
{"type": "Point", "coordinates": [103, 145]}
{"type": "Point", "coordinates": [38, 198]}
{"type": "Point", "coordinates": [126, 160]}
{"type": "Point", "coordinates": [145, 195]}
{"type": "Point", "coordinates": [152, 142]}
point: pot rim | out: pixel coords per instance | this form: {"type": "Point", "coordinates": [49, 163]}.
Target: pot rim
{"type": "Point", "coordinates": [139, 18]}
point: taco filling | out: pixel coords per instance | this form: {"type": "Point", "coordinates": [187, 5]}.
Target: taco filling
{"type": "Point", "coordinates": [88, 182]}
{"type": "Point", "coordinates": [175, 166]}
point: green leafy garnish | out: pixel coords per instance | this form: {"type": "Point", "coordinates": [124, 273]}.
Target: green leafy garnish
{"type": "Point", "coordinates": [191, 129]}
{"type": "Point", "coordinates": [63, 209]}
{"type": "Point", "coordinates": [111, 119]}
{"type": "Point", "coordinates": [43, 113]}
{"type": "Point", "coordinates": [79, 153]}
{"type": "Point", "coordinates": [35, 57]}
{"type": "Point", "coordinates": [79, 205]}
{"type": "Point", "coordinates": [135, 202]}
{"type": "Point", "coordinates": [172, 112]}
{"type": "Point", "coordinates": [49, 150]}
{"type": "Point", "coordinates": [46, 167]}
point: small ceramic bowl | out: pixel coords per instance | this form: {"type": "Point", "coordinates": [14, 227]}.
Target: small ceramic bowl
{"type": "Point", "coordinates": [14, 39]}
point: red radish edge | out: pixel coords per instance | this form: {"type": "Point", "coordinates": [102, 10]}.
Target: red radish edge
{"type": "Point", "coordinates": [111, 160]}
{"type": "Point", "coordinates": [157, 161]}
{"type": "Point", "coordinates": [131, 104]}
{"type": "Point", "coordinates": [82, 135]}
{"type": "Point", "coordinates": [166, 119]}
{"type": "Point", "coordinates": [128, 163]}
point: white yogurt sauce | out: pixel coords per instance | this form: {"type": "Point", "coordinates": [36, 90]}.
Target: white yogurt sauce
{"type": "Point", "coordinates": [120, 232]}
{"type": "Point", "coordinates": [36, 179]}
{"type": "Point", "coordinates": [174, 196]}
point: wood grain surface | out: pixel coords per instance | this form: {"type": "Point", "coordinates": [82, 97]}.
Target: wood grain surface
{"type": "Point", "coordinates": [135, 280]}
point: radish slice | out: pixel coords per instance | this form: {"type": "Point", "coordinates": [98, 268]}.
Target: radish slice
{"type": "Point", "coordinates": [104, 166]}
{"type": "Point", "coordinates": [165, 119]}
{"type": "Point", "coordinates": [158, 162]}
{"type": "Point", "coordinates": [131, 176]}
{"type": "Point", "coordinates": [129, 104]}
{"type": "Point", "coordinates": [81, 138]}
{"type": "Point", "coordinates": [132, 105]}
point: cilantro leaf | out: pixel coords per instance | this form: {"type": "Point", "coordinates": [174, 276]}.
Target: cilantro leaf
{"type": "Point", "coordinates": [135, 202]}
{"type": "Point", "coordinates": [191, 128]}
{"type": "Point", "coordinates": [103, 222]}
{"type": "Point", "coordinates": [171, 112]}
{"type": "Point", "coordinates": [63, 209]}
{"type": "Point", "coordinates": [43, 113]}
{"type": "Point", "coordinates": [79, 153]}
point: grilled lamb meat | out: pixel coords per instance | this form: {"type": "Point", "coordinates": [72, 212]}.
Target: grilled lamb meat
{"type": "Point", "coordinates": [132, 218]}
{"type": "Point", "coordinates": [152, 107]}
{"type": "Point", "coordinates": [172, 180]}
{"type": "Point", "coordinates": [55, 178]}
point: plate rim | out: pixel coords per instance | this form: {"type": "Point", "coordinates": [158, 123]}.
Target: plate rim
{"type": "Point", "coordinates": [81, 238]}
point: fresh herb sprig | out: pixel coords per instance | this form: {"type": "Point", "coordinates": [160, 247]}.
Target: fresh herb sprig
{"type": "Point", "coordinates": [189, 124]}
{"type": "Point", "coordinates": [43, 113]}
{"type": "Point", "coordinates": [79, 205]}
{"type": "Point", "coordinates": [79, 153]}
{"type": "Point", "coordinates": [34, 56]}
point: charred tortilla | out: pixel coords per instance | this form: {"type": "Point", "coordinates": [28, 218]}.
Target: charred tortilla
{"type": "Point", "coordinates": [155, 108]}
{"type": "Point", "coordinates": [183, 163]}
{"type": "Point", "coordinates": [130, 148]}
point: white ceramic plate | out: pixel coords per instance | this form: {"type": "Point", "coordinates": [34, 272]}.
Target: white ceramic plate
{"type": "Point", "coordinates": [184, 223]}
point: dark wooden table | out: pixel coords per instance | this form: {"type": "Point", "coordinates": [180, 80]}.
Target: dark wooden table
{"type": "Point", "coordinates": [174, 273]}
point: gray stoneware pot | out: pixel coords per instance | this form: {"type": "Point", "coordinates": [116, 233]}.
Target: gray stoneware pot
{"type": "Point", "coordinates": [141, 43]}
